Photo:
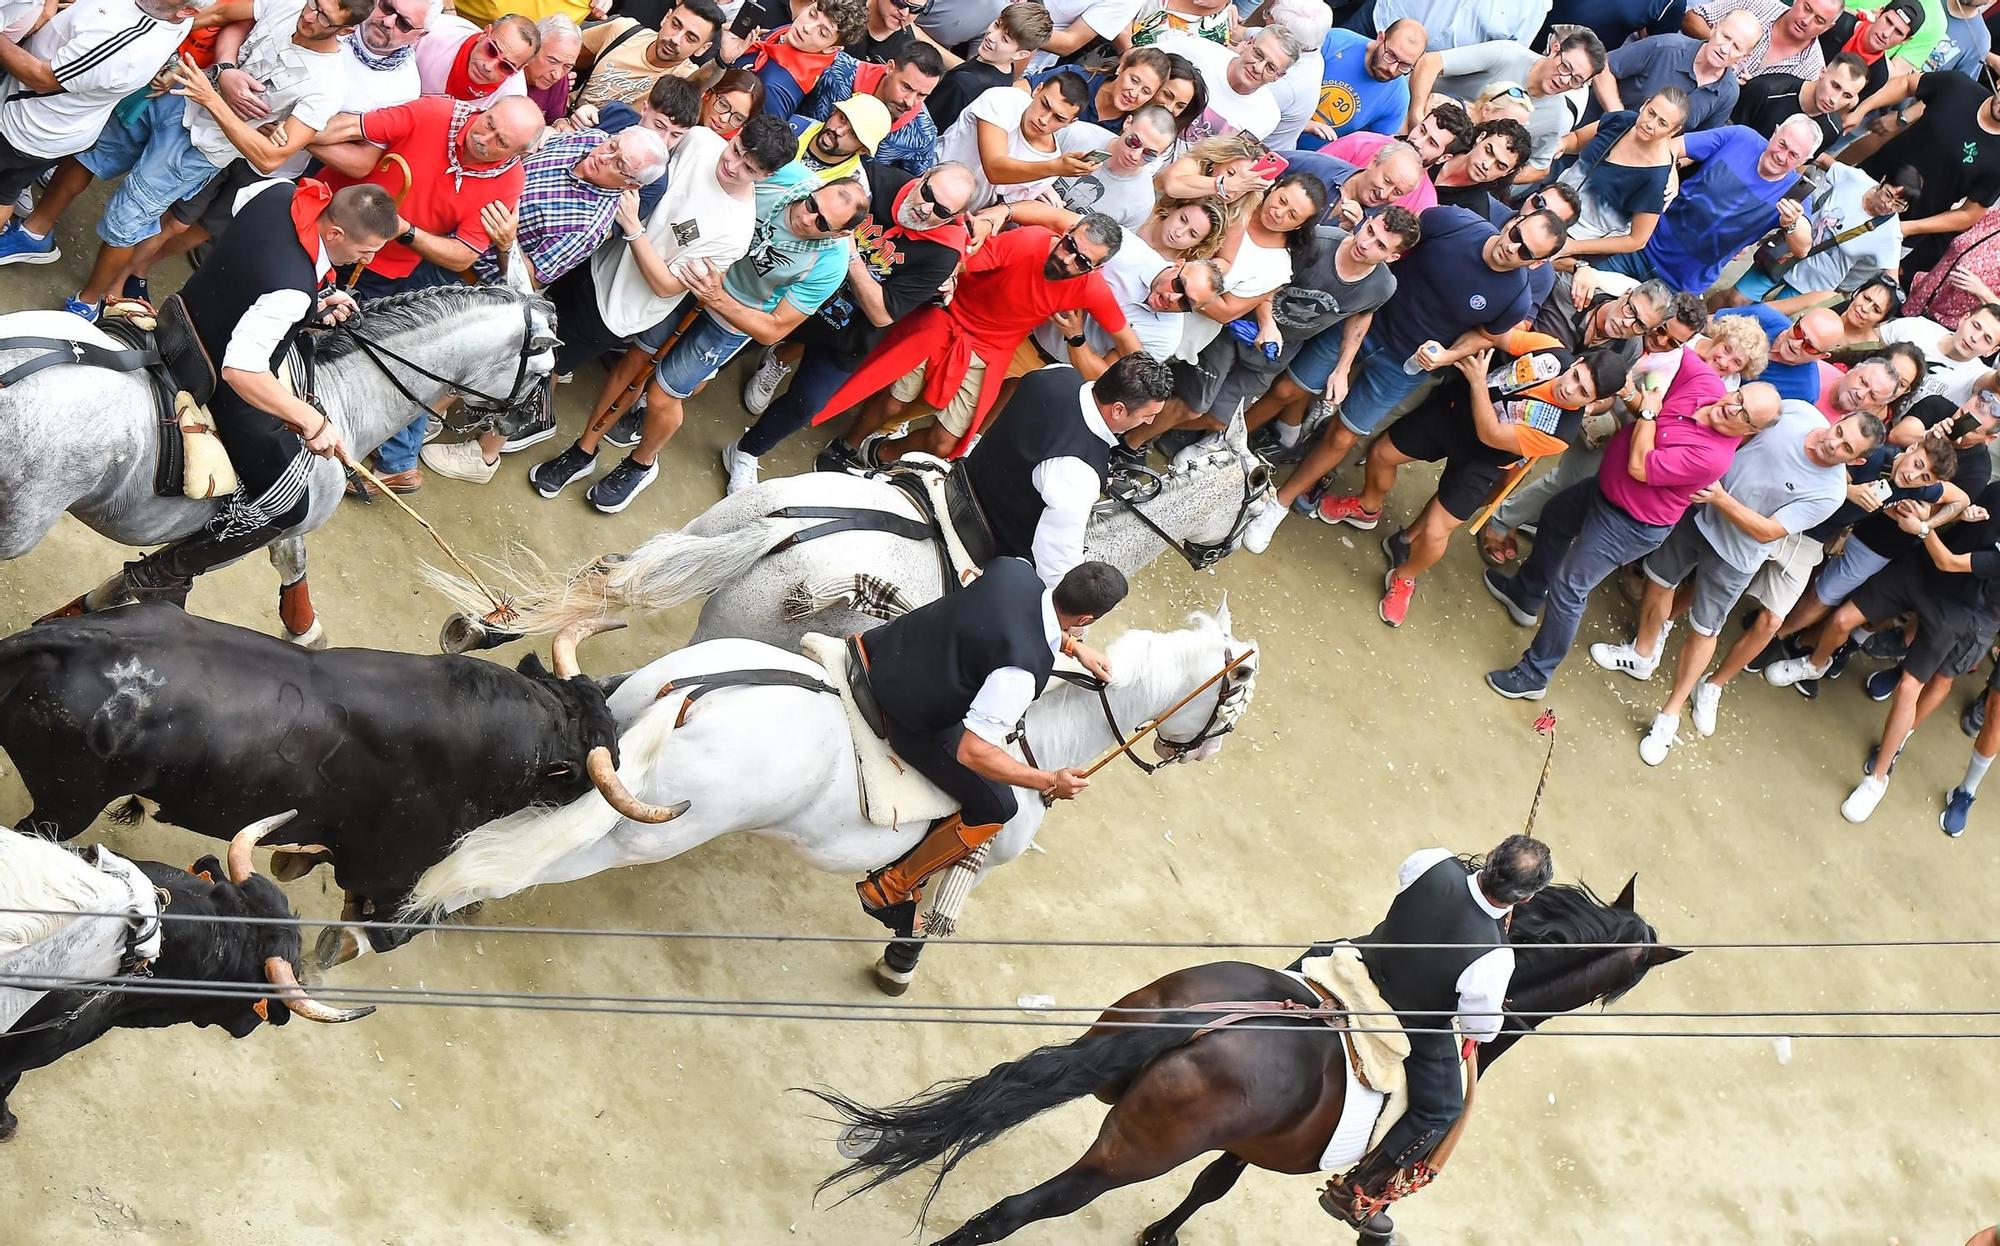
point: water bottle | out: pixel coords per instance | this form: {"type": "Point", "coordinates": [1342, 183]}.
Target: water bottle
{"type": "Point", "coordinates": [1414, 365]}
{"type": "Point", "coordinates": [1271, 351]}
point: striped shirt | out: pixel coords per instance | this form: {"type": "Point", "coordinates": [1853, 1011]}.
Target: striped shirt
{"type": "Point", "coordinates": [563, 217]}
{"type": "Point", "coordinates": [100, 51]}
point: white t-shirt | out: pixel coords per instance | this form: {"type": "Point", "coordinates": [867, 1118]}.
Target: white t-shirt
{"type": "Point", "coordinates": [1297, 94]}
{"type": "Point", "coordinates": [1129, 272]}
{"type": "Point", "coordinates": [1258, 270]}
{"type": "Point", "coordinates": [101, 51]}
{"type": "Point", "coordinates": [1846, 266]}
{"type": "Point", "coordinates": [363, 90]}
{"type": "Point", "coordinates": [437, 50]}
{"type": "Point", "coordinates": [1003, 107]}
{"type": "Point", "coordinates": [1108, 18]}
{"type": "Point", "coordinates": [1127, 199]}
{"type": "Point", "coordinates": [297, 83]}
{"type": "Point", "coordinates": [1255, 114]}
{"type": "Point", "coordinates": [1950, 377]}
{"type": "Point", "coordinates": [695, 220]}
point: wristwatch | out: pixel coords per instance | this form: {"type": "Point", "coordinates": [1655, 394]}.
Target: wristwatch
{"type": "Point", "coordinates": [408, 236]}
{"type": "Point", "coordinates": [1076, 340]}
{"type": "Point", "coordinates": [1923, 530]}
{"type": "Point", "coordinates": [1646, 413]}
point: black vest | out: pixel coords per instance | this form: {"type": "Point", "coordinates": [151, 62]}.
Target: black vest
{"type": "Point", "coordinates": [259, 253]}
{"type": "Point", "coordinates": [1042, 422]}
{"type": "Point", "coordinates": [926, 666]}
{"type": "Point", "coordinates": [1437, 908]}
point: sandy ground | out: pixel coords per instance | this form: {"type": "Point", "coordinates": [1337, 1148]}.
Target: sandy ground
{"type": "Point", "coordinates": [434, 1126]}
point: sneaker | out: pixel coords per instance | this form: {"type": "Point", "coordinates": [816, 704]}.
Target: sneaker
{"type": "Point", "coordinates": [1307, 503]}
{"type": "Point", "coordinates": [1501, 587]}
{"type": "Point", "coordinates": [1515, 684]}
{"type": "Point", "coordinates": [741, 468]}
{"type": "Point", "coordinates": [762, 387]}
{"type": "Point", "coordinates": [562, 471]}
{"type": "Point", "coordinates": [1776, 651]}
{"type": "Point", "coordinates": [838, 456]}
{"type": "Point", "coordinates": [18, 246]}
{"type": "Point", "coordinates": [460, 460]}
{"type": "Point", "coordinates": [1395, 606]}
{"type": "Point", "coordinates": [1836, 664]}
{"type": "Point", "coordinates": [1257, 535]}
{"type": "Point", "coordinates": [1861, 802]}
{"type": "Point", "coordinates": [1123, 457]}
{"type": "Point", "coordinates": [1175, 440]}
{"type": "Point", "coordinates": [1625, 657]}
{"type": "Point", "coordinates": [82, 310]}
{"type": "Point", "coordinates": [1888, 646]}
{"type": "Point", "coordinates": [433, 428]}
{"type": "Point", "coordinates": [1346, 508]}
{"type": "Point", "coordinates": [1706, 697]}
{"type": "Point", "coordinates": [1790, 671]}
{"type": "Point", "coordinates": [621, 484]}
{"type": "Point", "coordinates": [626, 432]}
{"type": "Point", "coordinates": [1659, 738]}
{"type": "Point", "coordinates": [1882, 684]}
{"type": "Point", "coordinates": [1868, 766]}
{"type": "Point", "coordinates": [537, 431]}
{"type": "Point", "coordinates": [1957, 808]}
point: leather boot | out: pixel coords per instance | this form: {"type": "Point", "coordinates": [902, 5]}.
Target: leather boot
{"type": "Point", "coordinates": [1359, 1196]}
{"type": "Point", "coordinates": [167, 574]}
{"type": "Point", "coordinates": [886, 892]}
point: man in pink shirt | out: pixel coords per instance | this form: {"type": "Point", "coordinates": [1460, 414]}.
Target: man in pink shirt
{"type": "Point", "coordinates": [1681, 443]}
{"type": "Point", "coordinates": [1432, 137]}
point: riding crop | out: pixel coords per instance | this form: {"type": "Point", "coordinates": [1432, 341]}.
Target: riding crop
{"type": "Point", "coordinates": [1153, 724]}
{"type": "Point", "coordinates": [502, 611]}
{"type": "Point", "coordinates": [609, 416]}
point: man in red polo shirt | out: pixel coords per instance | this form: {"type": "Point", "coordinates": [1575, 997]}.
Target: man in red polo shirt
{"type": "Point", "coordinates": [953, 358]}
{"type": "Point", "coordinates": [465, 179]}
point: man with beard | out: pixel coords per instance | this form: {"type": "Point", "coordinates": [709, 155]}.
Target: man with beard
{"type": "Point", "coordinates": [832, 149]}
{"type": "Point", "coordinates": [1366, 84]}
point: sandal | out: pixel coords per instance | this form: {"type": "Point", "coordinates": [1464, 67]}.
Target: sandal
{"type": "Point", "coordinates": [1498, 553]}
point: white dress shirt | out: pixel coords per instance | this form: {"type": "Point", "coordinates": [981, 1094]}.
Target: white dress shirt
{"type": "Point", "coordinates": [1005, 696]}
{"type": "Point", "coordinates": [1482, 987]}
{"type": "Point", "coordinates": [256, 336]}
{"type": "Point", "coordinates": [1069, 488]}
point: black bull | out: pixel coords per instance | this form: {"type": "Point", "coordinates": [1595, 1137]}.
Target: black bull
{"type": "Point", "coordinates": [388, 757]}
{"type": "Point", "coordinates": [236, 953]}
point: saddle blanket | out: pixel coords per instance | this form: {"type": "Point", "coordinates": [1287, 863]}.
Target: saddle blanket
{"type": "Point", "coordinates": [935, 473]}
{"type": "Point", "coordinates": [1377, 1094]}
{"type": "Point", "coordinates": [86, 948]}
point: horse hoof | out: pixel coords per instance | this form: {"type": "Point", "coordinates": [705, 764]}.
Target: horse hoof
{"type": "Point", "coordinates": [856, 1141]}
{"type": "Point", "coordinates": [892, 981]}
{"type": "Point", "coordinates": [462, 633]}
{"type": "Point", "coordinates": [313, 637]}
{"type": "Point", "coordinates": [10, 1125]}
{"type": "Point", "coordinates": [291, 864]}
{"type": "Point", "coordinates": [1151, 1236]}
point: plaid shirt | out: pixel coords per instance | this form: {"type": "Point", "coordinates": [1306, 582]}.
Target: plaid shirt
{"type": "Point", "coordinates": [563, 217]}
{"type": "Point", "coordinates": [911, 147]}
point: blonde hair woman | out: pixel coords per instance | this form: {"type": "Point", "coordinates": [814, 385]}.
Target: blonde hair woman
{"type": "Point", "coordinates": [1220, 167]}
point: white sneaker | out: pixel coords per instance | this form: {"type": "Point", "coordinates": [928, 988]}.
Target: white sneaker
{"type": "Point", "coordinates": [1659, 738]}
{"type": "Point", "coordinates": [741, 467]}
{"type": "Point", "coordinates": [1790, 671]}
{"type": "Point", "coordinates": [762, 388]}
{"type": "Point", "coordinates": [460, 460]}
{"type": "Point", "coordinates": [1862, 800]}
{"type": "Point", "coordinates": [1706, 696]}
{"type": "Point", "coordinates": [1257, 536]}
{"type": "Point", "coordinates": [1627, 658]}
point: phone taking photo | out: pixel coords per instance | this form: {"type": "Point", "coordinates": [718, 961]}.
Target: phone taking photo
{"type": "Point", "coordinates": [1270, 166]}
{"type": "Point", "coordinates": [1095, 157]}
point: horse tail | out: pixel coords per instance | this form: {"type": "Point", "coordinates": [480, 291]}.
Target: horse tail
{"type": "Point", "coordinates": [952, 1119]}
{"type": "Point", "coordinates": [509, 854]}
{"type": "Point", "coordinates": [665, 571]}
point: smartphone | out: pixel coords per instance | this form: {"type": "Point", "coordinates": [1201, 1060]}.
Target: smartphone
{"type": "Point", "coordinates": [1095, 157]}
{"type": "Point", "coordinates": [1882, 489]}
{"type": "Point", "coordinates": [746, 21]}
{"type": "Point", "coordinates": [1270, 166]}
{"type": "Point", "coordinates": [1968, 422]}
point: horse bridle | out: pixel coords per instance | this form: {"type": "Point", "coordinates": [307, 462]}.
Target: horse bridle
{"type": "Point", "coordinates": [1177, 750]}
{"type": "Point", "coordinates": [1200, 555]}
{"type": "Point", "coordinates": [487, 405]}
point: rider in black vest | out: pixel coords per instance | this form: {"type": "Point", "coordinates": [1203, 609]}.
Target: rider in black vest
{"type": "Point", "coordinates": [1062, 428]}
{"type": "Point", "coordinates": [952, 679]}
{"type": "Point", "coordinates": [1442, 901]}
{"type": "Point", "coordinates": [260, 288]}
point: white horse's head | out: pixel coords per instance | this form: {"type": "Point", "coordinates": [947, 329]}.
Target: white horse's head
{"type": "Point", "coordinates": [1209, 498]}
{"type": "Point", "coordinates": [1156, 669]}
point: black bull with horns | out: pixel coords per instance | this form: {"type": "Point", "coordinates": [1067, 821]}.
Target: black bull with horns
{"type": "Point", "coordinates": [388, 757]}
{"type": "Point", "coordinates": [241, 954]}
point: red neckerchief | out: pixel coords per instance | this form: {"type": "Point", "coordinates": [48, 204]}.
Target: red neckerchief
{"type": "Point", "coordinates": [308, 203]}
{"type": "Point", "coordinates": [951, 234]}
{"type": "Point", "coordinates": [804, 67]}
{"type": "Point", "coordinates": [458, 83]}
{"type": "Point", "coordinates": [867, 76]}
{"type": "Point", "coordinates": [1853, 44]}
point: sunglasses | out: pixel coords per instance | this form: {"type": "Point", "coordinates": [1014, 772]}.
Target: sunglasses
{"type": "Point", "coordinates": [1139, 145]}
{"type": "Point", "coordinates": [1181, 299]}
{"type": "Point", "coordinates": [1522, 249]}
{"type": "Point", "coordinates": [493, 50]}
{"type": "Point", "coordinates": [1806, 344]}
{"type": "Point", "coordinates": [937, 210]}
{"type": "Point", "coordinates": [1083, 262]}
{"type": "Point", "coordinates": [917, 9]}
{"type": "Point", "coordinates": [387, 8]}
{"type": "Point", "coordinates": [819, 218]}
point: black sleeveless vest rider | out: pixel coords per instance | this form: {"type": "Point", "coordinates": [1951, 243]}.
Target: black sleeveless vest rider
{"type": "Point", "coordinates": [926, 666]}
{"type": "Point", "coordinates": [1042, 422]}
{"type": "Point", "coordinates": [258, 254]}
{"type": "Point", "coordinates": [1437, 908]}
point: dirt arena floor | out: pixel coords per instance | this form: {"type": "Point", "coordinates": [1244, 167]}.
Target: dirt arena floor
{"type": "Point", "coordinates": [427, 1127]}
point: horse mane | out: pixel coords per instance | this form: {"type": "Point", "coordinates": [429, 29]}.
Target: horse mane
{"type": "Point", "coordinates": [38, 874]}
{"type": "Point", "coordinates": [414, 310]}
{"type": "Point", "coordinates": [1548, 964]}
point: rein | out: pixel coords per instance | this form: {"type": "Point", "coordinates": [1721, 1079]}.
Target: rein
{"type": "Point", "coordinates": [1179, 748]}
{"type": "Point", "coordinates": [488, 404]}
{"type": "Point", "coordinates": [1199, 555]}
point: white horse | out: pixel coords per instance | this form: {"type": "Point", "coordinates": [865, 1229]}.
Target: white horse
{"type": "Point", "coordinates": [758, 591]}
{"type": "Point", "coordinates": [84, 439]}
{"type": "Point", "coordinates": [778, 761]}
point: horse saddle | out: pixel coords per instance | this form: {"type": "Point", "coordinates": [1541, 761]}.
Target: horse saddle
{"type": "Point", "coordinates": [192, 460]}
{"type": "Point", "coordinates": [1375, 1054]}
{"type": "Point", "coordinates": [944, 497]}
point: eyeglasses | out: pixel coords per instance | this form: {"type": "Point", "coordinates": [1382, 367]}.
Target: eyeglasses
{"type": "Point", "coordinates": [493, 50]}
{"type": "Point", "coordinates": [819, 218]}
{"type": "Point", "coordinates": [1083, 262]}
{"type": "Point", "coordinates": [724, 113]}
{"type": "Point", "coordinates": [938, 211]}
{"type": "Point", "coordinates": [1563, 77]}
{"type": "Point", "coordinates": [387, 8]}
{"type": "Point", "coordinates": [1259, 64]}
{"type": "Point", "coordinates": [1182, 301]}
{"type": "Point", "coordinates": [1139, 145]}
{"type": "Point", "coordinates": [326, 20]}
{"type": "Point", "coordinates": [1806, 344]}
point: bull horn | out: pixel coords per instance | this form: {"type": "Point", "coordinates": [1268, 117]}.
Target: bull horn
{"type": "Point", "coordinates": [605, 776]}
{"type": "Point", "coordinates": [279, 971]}
{"type": "Point", "coordinates": [241, 865]}
{"type": "Point", "coordinates": [562, 650]}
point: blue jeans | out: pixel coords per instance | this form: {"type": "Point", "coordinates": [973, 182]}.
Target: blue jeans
{"type": "Point", "coordinates": [1630, 263]}
{"type": "Point", "coordinates": [700, 353]}
{"type": "Point", "coordinates": [1583, 538]}
{"type": "Point", "coordinates": [1375, 388]}
{"type": "Point", "coordinates": [399, 453]}
{"type": "Point", "coordinates": [161, 167]}
{"type": "Point", "coordinates": [818, 376]}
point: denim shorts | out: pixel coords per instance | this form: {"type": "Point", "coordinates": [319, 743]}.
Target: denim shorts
{"type": "Point", "coordinates": [1376, 387]}
{"type": "Point", "coordinates": [1846, 571]}
{"type": "Point", "coordinates": [161, 167]}
{"type": "Point", "coordinates": [1718, 583]}
{"type": "Point", "coordinates": [700, 353]}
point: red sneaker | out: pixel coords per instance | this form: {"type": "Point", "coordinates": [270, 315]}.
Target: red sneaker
{"type": "Point", "coordinates": [1396, 602]}
{"type": "Point", "coordinates": [1347, 509]}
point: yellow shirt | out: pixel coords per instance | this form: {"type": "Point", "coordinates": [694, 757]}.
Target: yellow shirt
{"type": "Point", "coordinates": [485, 12]}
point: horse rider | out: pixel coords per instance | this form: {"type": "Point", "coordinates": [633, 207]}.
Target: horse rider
{"type": "Point", "coordinates": [265, 282]}
{"type": "Point", "coordinates": [1441, 899]}
{"type": "Point", "coordinates": [952, 680]}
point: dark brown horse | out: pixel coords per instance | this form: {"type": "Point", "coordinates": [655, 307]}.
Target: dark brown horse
{"type": "Point", "coordinates": [1262, 1096]}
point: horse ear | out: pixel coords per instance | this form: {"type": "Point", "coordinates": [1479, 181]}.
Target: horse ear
{"type": "Point", "coordinates": [515, 277]}
{"type": "Point", "coordinates": [1661, 954]}
{"type": "Point", "coordinates": [1237, 435]}
{"type": "Point", "coordinates": [1624, 900]}
{"type": "Point", "coordinates": [1222, 613]}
